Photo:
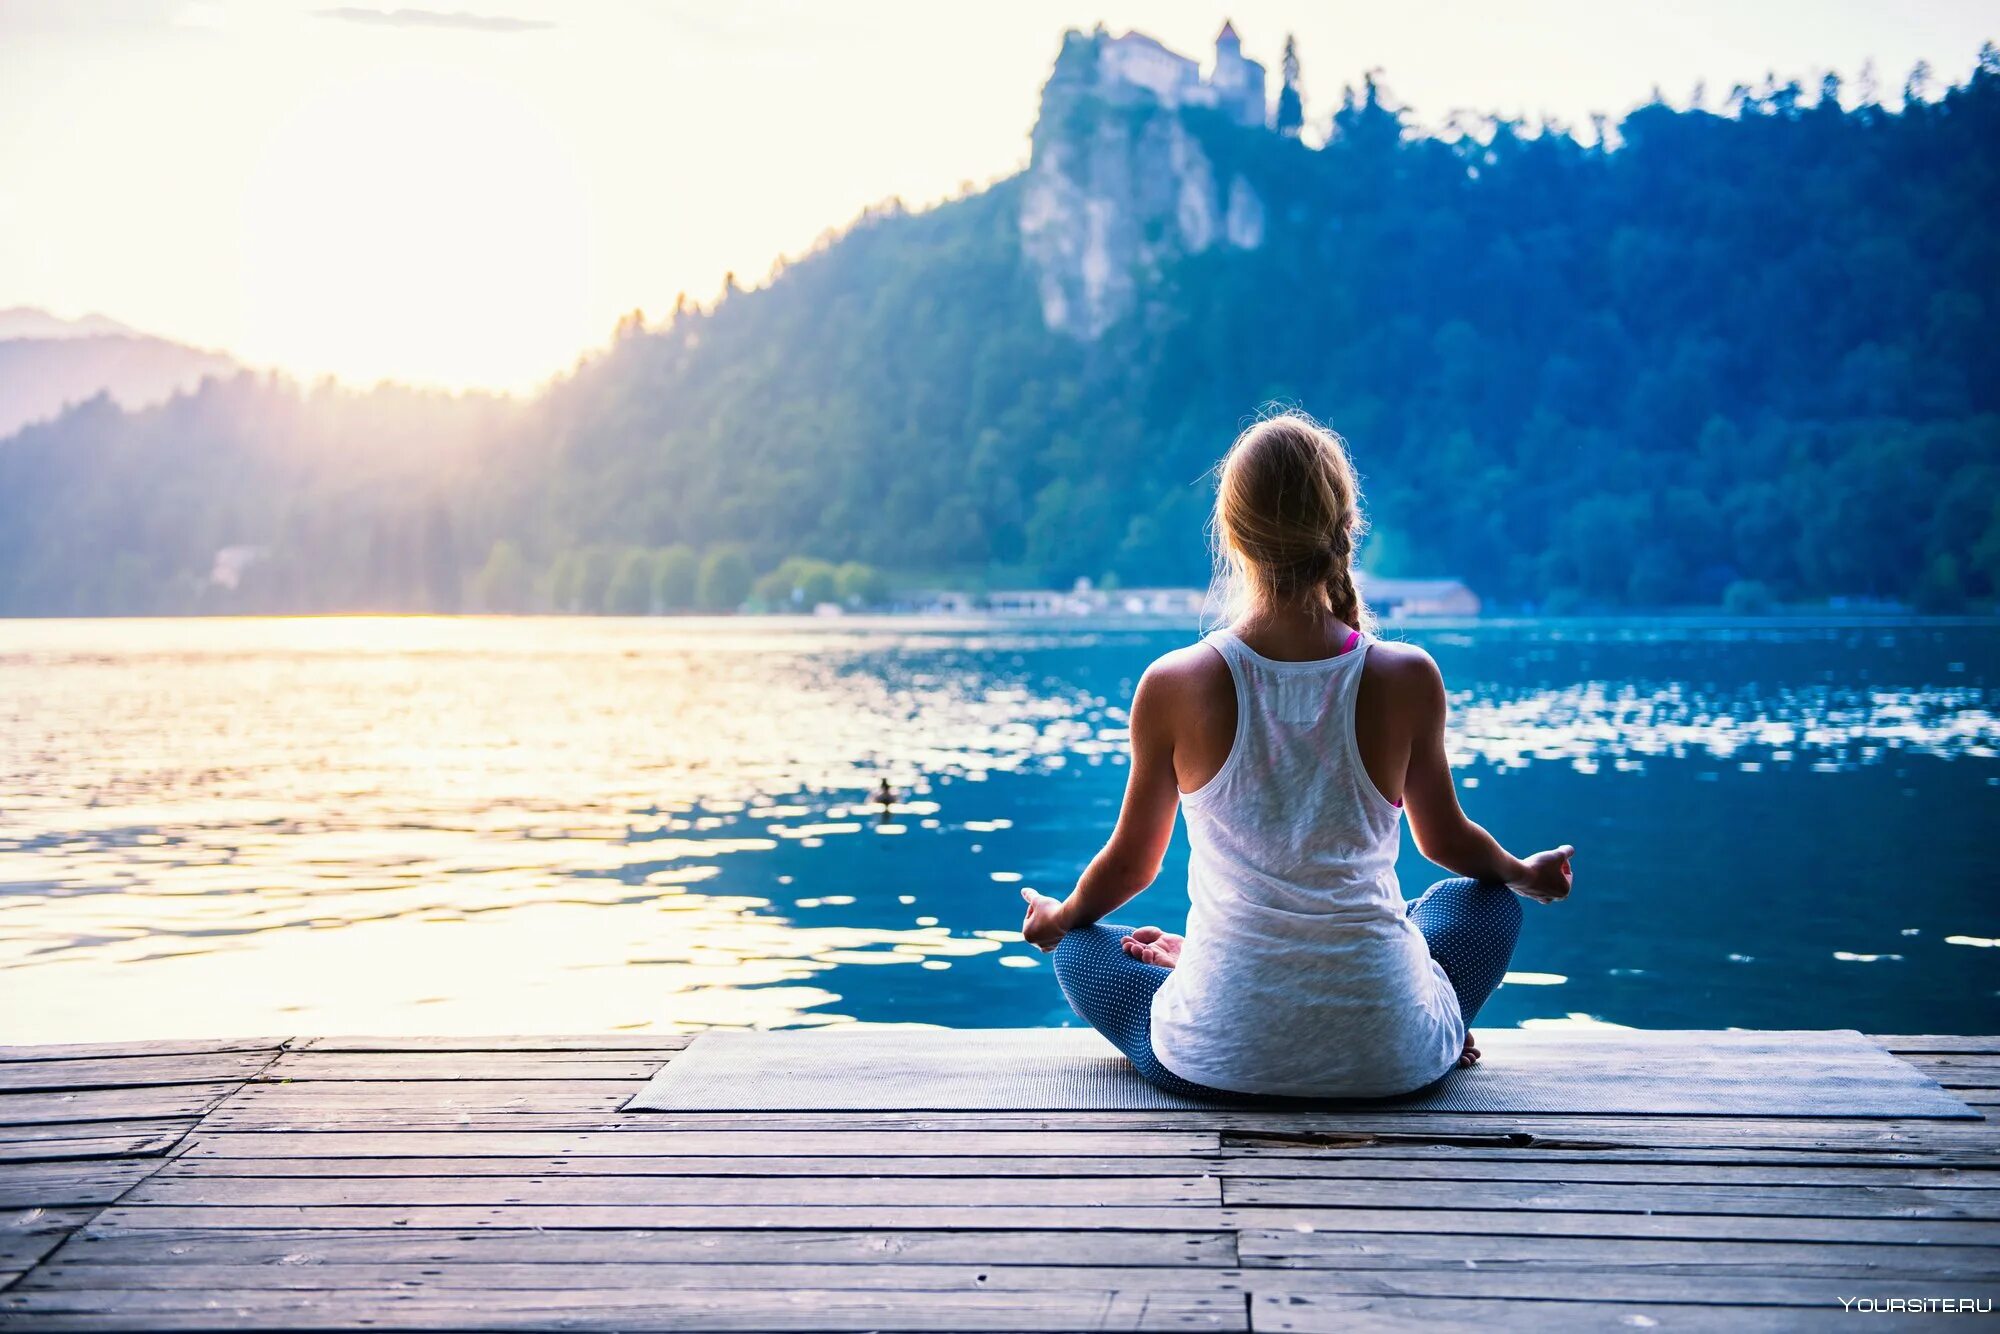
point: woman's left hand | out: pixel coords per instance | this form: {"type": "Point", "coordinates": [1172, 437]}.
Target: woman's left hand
{"type": "Point", "coordinates": [1151, 945]}
{"type": "Point", "coordinates": [1046, 923]}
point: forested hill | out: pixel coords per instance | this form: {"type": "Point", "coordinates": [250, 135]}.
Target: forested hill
{"type": "Point", "coordinates": [1751, 350]}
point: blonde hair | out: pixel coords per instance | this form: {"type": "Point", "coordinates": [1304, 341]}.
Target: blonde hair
{"type": "Point", "coordinates": [1288, 520]}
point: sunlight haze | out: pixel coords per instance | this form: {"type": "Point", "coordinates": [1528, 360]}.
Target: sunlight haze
{"type": "Point", "coordinates": [472, 199]}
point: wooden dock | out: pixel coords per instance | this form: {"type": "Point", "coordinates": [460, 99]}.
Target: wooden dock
{"type": "Point", "coordinates": [485, 1184]}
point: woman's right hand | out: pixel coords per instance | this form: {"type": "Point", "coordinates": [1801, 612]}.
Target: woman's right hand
{"type": "Point", "coordinates": [1549, 875]}
{"type": "Point", "coordinates": [1046, 923]}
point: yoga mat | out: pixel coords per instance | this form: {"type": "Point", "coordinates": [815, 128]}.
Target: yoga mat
{"type": "Point", "coordinates": [1584, 1072]}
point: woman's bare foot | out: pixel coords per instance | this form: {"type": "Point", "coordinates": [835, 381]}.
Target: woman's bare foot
{"type": "Point", "coordinates": [1151, 945]}
{"type": "Point", "coordinates": [1470, 1056]}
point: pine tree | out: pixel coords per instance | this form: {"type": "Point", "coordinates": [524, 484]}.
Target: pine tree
{"type": "Point", "coordinates": [1291, 106]}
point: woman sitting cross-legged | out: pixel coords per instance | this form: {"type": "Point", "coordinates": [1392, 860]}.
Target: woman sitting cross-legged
{"type": "Point", "coordinates": [1293, 740]}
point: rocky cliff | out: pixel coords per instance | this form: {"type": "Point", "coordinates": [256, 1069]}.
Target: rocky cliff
{"type": "Point", "coordinates": [1119, 184]}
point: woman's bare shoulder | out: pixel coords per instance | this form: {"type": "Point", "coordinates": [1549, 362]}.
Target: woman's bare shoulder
{"type": "Point", "coordinates": [1403, 670]}
{"type": "Point", "coordinates": [1185, 675]}
{"type": "Point", "coordinates": [1401, 656]}
{"type": "Point", "coordinates": [1191, 664]}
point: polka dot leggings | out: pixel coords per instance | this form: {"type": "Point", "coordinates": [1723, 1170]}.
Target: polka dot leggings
{"type": "Point", "coordinates": [1469, 925]}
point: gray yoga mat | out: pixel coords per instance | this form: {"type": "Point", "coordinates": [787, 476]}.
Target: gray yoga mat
{"type": "Point", "coordinates": [1586, 1072]}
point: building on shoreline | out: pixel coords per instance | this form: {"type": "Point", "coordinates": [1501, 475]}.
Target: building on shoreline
{"type": "Point", "coordinates": [1391, 599]}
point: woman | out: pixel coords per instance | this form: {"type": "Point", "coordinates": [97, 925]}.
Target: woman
{"type": "Point", "coordinates": [1294, 741]}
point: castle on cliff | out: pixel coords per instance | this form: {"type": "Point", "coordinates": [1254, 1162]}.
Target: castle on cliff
{"type": "Point", "coordinates": [1109, 197]}
{"type": "Point", "coordinates": [1137, 63]}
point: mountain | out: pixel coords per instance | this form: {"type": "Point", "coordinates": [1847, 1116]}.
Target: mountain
{"type": "Point", "coordinates": [28, 322]}
{"type": "Point", "coordinates": [1707, 356]}
{"type": "Point", "coordinates": [48, 363]}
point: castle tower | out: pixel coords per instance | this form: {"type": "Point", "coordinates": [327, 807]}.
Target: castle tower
{"type": "Point", "coordinates": [1238, 82]}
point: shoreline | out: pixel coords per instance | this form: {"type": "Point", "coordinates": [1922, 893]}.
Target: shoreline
{"type": "Point", "coordinates": [1805, 619]}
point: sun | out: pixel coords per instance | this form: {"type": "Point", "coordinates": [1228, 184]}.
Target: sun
{"type": "Point", "coordinates": [419, 223]}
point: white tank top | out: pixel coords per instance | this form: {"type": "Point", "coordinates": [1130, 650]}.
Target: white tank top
{"type": "Point", "coordinates": [1302, 974]}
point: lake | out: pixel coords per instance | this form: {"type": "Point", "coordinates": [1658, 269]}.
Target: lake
{"type": "Point", "coordinates": [356, 825]}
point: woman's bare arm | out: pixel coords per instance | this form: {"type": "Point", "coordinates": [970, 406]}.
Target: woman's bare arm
{"type": "Point", "coordinates": [1443, 831]}
{"type": "Point", "coordinates": [1132, 856]}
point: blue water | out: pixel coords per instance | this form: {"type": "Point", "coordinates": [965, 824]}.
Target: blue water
{"type": "Point", "coordinates": [539, 825]}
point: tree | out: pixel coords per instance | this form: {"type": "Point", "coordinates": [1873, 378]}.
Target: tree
{"type": "Point", "coordinates": [502, 584]}
{"type": "Point", "coordinates": [565, 577]}
{"type": "Point", "coordinates": [725, 579]}
{"type": "Point", "coordinates": [441, 574]}
{"type": "Point", "coordinates": [1917, 87]}
{"type": "Point", "coordinates": [1291, 104]}
{"type": "Point", "coordinates": [800, 583]}
{"type": "Point", "coordinates": [631, 590]}
{"type": "Point", "coordinates": [594, 580]}
{"type": "Point", "coordinates": [862, 585]}
{"type": "Point", "coordinates": [1939, 589]}
{"type": "Point", "coordinates": [675, 570]}
{"type": "Point", "coordinates": [1748, 597]}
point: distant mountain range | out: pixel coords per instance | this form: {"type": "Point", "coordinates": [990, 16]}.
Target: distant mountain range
{"type": "Point", "coordinates": [48, 363]}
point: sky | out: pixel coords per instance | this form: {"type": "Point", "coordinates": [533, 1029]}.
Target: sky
{"type": "Point", "coordinates": [471, 197]}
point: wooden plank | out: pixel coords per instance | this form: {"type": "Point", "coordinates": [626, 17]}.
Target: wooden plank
{"type": "Point", "coordinates": [1281, 1312]}
{"type": "Point", "coordinates": [403, 1121]}
{"type": "Point", "coordinates": [178, 1100]}
{"type": "Point", "coordinates": [1527, 1167]}
{"type": "Point", "coordinates": [1104, 1192]}
{"type": "Point", "coordinates": [1821, 1293]}
{"type": "Point", "coordinates": [73, 1051]}
{"type": "Point", "coordinates": [1432, 1127]}
{"type": "Point", "coordinates": [1960, 1072]}
{"type": "Point", "coordinates": [1905, 1044]}
{"type": "Point", "coordinates": [1151, 1308]}
{"type": "Point", "coordinates": [898, 1217]}
{"type": "Point", "coordinates": [306, 1246]}
{"type": "Point", "coordinates": [1553, 1223]}
{"type": "Point", "coordinates": [604, 1042]}
{"type": "Point", "coordinates": [131, 1071]}
{"type": "Point", "coordinates": [93, 1139]}
{"type": "Point", "coordinates": [421, 1276]}
{"type": "Point", "coordinates": [850, 1167]}
{"type": "Point", "coordinates": [138, 1129]}
{"type": "Point", "coordinates": [26, 1235]}
{"type": "Point", "coordinates": [1857, 1135]}
{"type": "Point", "coordinates": [490, 1096]}
{"type": "Point", "coordinates": [1626, 1284]}
{"type": "Point", "coordinates": [91, 1181]}
{"type": "Point", "coordinates": [1384, 1169]}
{"type": "Point", "coordinates": [306, 1120]}
{"type": "Point", "coordinates": [1545, 1265]}
{"type": "Point", "coordinates": [1589, 1197]}
{"type": "Point", "coordinates": [637, 1142]}
{"type": "Point", "coordinates": [460, 1066]}
{"type": "Point", "coordinates": [575, 1094]}
{"type": "Point", "coordinates": [84, 1148]}
{"type": "Point", "coordinates": [1289, 1248]}
{"type": "Point", "coordinates": [1240, 1150]}
{"type": "Point", "coordinates": [479, 1140]}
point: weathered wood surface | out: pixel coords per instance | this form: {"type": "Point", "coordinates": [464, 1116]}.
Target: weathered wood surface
{"type": "Point", "coordinates": [475, 1183]}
